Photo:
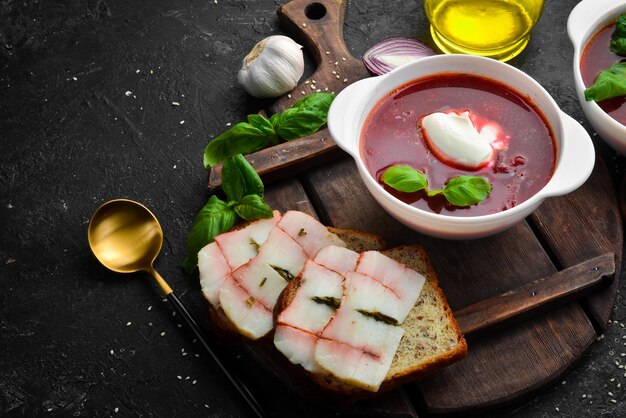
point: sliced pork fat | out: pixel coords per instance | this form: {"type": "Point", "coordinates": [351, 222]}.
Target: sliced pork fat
{"type": "Point", "coordinates": [312, 306]}
{"type": "Point", "coordinates": [338, 259]}
{"type": "Point", "coordinates": [356, 346]}
{"type": "Point", "coordinates": [228, 252]}
{"type": "Point", "coordinates": [405, 283]}
{"type": "Point", "coordinates": [296, 238]}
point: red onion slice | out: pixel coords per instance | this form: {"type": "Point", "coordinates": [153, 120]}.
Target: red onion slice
{"type": "Point", "coordinates": [393, 52]}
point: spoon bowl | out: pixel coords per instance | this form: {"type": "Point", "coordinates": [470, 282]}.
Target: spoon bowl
{"type": "Point", "coordinates": [125, 236]}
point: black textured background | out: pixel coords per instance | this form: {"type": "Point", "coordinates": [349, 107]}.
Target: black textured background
{"type": "Point", "coordinates": [86, 116]}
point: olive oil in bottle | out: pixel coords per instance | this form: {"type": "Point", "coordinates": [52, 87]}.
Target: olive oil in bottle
{"type": "Point", "coordinates": [494, 28]}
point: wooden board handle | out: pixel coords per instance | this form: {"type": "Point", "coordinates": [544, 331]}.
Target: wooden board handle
{"type": "Point", "coordinates": [318, 24]}
{"type": "Point", "coordinates": [537, 296]}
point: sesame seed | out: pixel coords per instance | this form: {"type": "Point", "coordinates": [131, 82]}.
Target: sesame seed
{"type": "Point", "coordinates": [621, 366]}
{"type": "Point", "coordinates": [289, 95]}
{"type": "Point", "coordinates": [313, 81]}
{"type": "Point", "coordinates": [151, 72]}
{"type": "Point", "coordinates": [74, 78]}
{"type": "Point", "coordinates": [557, 409]}
{"type": "Point", "coordinates": [563, 382]}
{"type": "Point", "coordinates": [623, 354]}
{"type": "Point", "coordinates": [307, 82]}
{"type": "Point", "coordinates": [327, 52]}
{"type": "Point", "coordinates": [584, 396]}
{"type": "Point", "coordinates": [187, 378]}
{"type": "Point", "coordinates": [173, 313]}
{"type": "Point", "coordinates": [149, 324]}
{"type": "Point", "coordinates": [318, 90]}
{"type": "Point", "coordinates": [116, 410]}
{"type": "Point", "coordinates": [334, 72]}
{"type": "Point", "coordinates": [150, 307]}
{"type": "Point", "coordinates": [343, 59]}
{"type": "Point", "coordinates": [182, 121]}
{"type": "Point", "coordinates": [228, 124]}
{"type": "Point", "coordinates": [112, 352]}
{"type": "Point", "coordinates": [179, 377]}
{"type": "Point", "coordinates": [345, 80]}
{"type": "Point", "coordinates": [184, 354]}
{"type": "Point", "coordinates": [194, 341]}
{"type": "Point", "coordinates": [302, 92]}
{"type": "Point", "coordinates": [163, 334]}
{"type": "Point", "coordinates": [312, 86]}
{"type": "Point", "coordinates": [610, 393]}
{"type": "Point", "coordinates": [196, 355]}
{"type": "Point", "coordinates": [175, 104]}
{"type": "Point", "coordinates": [304, 25]}
{"type": "Point", "coordinates": [613, 400]}
{"type": "Point", "coordinates": [179, 325]}
{"type": "Point", "coordinates": [137, 71]}
{"type": "Point", "coordinates": [128, 323]}
{"type": "Point", "coordinates": [336, 63]}
{"type": "Point", "coordinates": [206, 406]}
{"type": "Point", "coordinates": [612, 379]}
{"type": "Point", "coordinates": [164, 300]}
{"type": "Point", "coordinates": [128, 93]}
{"type": "Point", "coordinates": [337, 76]}
{"type": "Point", "coordinates": [326, 89]}
{"type": "Point", "coordinates": [619, 385]}
{"type": "Point", "coordinates": [194, 382]}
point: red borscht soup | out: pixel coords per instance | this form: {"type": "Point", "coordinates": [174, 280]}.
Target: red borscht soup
{"type": "Point", "coordinates": [524, 151]}
{"type": "Point", "coordinates": [596, 57]}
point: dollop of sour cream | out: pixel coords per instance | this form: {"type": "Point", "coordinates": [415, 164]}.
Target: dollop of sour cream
{"type": "Point", "coordinates": [454, 139]}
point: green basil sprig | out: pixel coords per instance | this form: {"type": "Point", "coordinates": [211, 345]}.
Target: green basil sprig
{"type": "Point", "coordinates": [609, 83]}
{"type": "Point", "coordinates": [618, 40]}
{"type": "Point", "coordinates": [305, 117]}
{"type": "Point", "coordinates": [460, 190]}
{"type": "Point", "coordinates": [244, 192]}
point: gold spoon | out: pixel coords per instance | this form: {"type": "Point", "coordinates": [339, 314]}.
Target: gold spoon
{"type": "Point", "coordinates": [126, 237]}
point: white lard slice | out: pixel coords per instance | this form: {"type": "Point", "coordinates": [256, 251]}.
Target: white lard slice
{"type": "Point", "coordinates": [354, 347]}
{"type": "Point", "coordinates": [304, 319]}
{"type": "Point", "coordinates": [455, 138]}
{"type": "Point", "coordinates": [230, 251]}
{"type": "Point", "coordinates": [402, 285]}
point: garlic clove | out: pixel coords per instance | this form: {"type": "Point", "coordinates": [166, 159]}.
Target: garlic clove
{"type": "Point", "coordinates": [272, 68]}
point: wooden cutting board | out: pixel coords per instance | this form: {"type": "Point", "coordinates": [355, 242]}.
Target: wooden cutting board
{"type": "Point", "coordinates": [502, 365]}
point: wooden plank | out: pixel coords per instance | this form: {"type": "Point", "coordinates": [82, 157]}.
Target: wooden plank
{"type": "Point", "coordinates": [287, 159]}
{"type": "Point", "coordinates": [541, 295]}
{"type": "Point", "coordinates": [582, 225]}
{"type": "Point", "coordinates": [470, 271]}
{"type": "Point", "coordinates": [509, 364]}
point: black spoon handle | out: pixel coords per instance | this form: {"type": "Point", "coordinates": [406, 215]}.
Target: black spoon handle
{"type": "Point", "coordinates": [191, 323]}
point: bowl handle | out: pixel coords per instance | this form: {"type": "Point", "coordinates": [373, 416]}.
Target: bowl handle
{"type": "Point", "coordinates": [345, 114]}
{"type": "Point", "coordinates": [586, 11]}
{"type": "Point", "coordinates": [576, 162]}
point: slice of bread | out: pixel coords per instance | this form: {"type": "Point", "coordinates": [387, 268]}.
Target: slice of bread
{"type": "Point", "coordinates": [432, 337]}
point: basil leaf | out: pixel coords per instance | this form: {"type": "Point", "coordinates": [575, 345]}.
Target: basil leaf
{"type": "Point", "coordinates": [405, 178]}
{"type": "Point", "coordinates": [466, 190]}
{"type": "Point", "coordinates": [618, 41]}
{"type": "Point", "coordinates": [316, 101]}
{"type": "Point", "coordinates": [295, 123]}
{"type": "Point", "coordinates": [609, 83]}
{"type": "Point", "coordinates": [253, 207]}
{"type": "Point", "coordinates": [233, 183]}
{"type": "Point", "coordinates": [214, 218]}
{"type": "Point", "coordinates": [243, 138]}
{"type": "Point", "coordinates": [239, 179]}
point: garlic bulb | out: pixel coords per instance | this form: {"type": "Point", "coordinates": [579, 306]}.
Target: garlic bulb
{"type": "Point", "coordinates": [272, 68]}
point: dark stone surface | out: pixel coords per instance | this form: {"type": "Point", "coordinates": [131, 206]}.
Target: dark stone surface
{"type": "Point", "coordinates": [86, 116]}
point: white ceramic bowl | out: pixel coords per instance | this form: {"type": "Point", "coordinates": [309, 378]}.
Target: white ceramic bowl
{"type": "Point", "coordinates": [575, 151]}
{"type": "Point", "coordinates": [584, 21]}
